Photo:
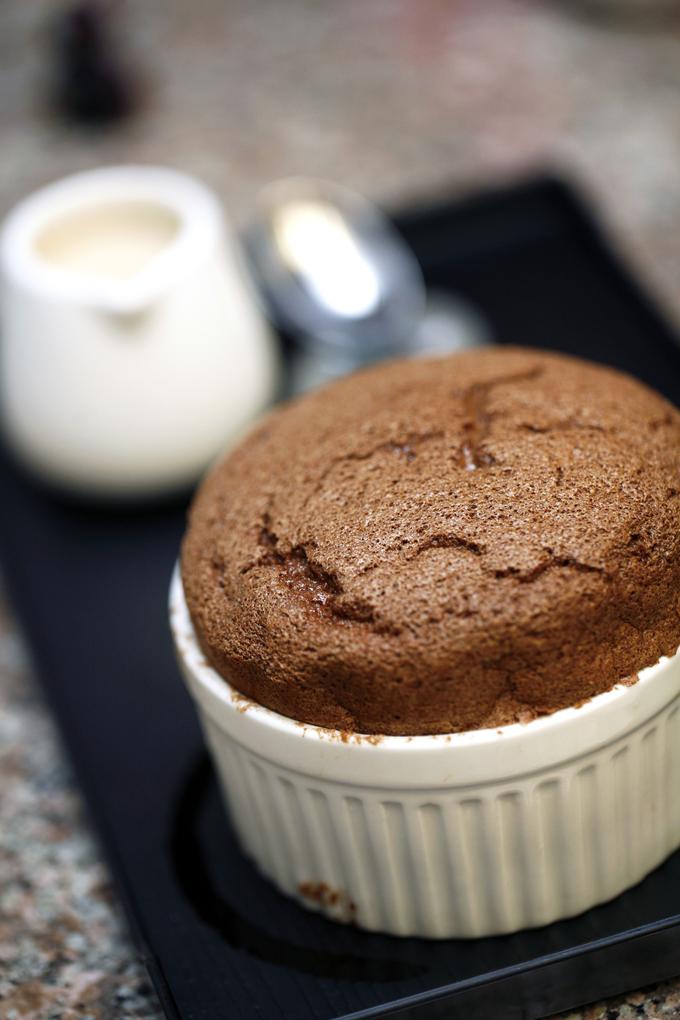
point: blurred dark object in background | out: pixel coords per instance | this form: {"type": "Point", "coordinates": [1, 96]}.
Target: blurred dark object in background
{"type": "Point", "coordinates": [91, 82]}
{"type": "Point", "coordinates": [637, 14]}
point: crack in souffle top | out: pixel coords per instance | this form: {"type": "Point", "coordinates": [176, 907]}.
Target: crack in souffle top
{"type": "Point", "coordinates": [443, 544]}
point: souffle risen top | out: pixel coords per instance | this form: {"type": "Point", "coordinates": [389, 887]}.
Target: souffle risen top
{"type": "Point", "coordinates": [445, 544]}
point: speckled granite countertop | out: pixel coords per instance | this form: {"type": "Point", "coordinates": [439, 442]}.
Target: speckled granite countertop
{"type": "Point", "coordinates": [401, 100]}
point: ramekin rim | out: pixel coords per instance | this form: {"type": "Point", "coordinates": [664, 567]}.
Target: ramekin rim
{"type": "Point", "coordinates": [233, 700]}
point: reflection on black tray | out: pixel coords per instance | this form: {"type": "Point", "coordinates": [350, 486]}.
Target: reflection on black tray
{"type": "Point", "coordinates": [228, 893]}
{"type": "Point", "coordinates": [198, 827]}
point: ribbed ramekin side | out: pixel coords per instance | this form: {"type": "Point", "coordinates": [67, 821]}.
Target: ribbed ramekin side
{"type": "Point", "coordinates": [461, 861]}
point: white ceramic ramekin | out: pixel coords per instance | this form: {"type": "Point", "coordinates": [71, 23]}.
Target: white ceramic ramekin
{"type": "Point", "coordinates": [467, 834]}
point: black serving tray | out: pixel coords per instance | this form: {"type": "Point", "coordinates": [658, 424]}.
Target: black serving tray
{"type": "Point", "coordinates": [90, 587]}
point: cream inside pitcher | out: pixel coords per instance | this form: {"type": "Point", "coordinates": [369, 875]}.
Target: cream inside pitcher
{"type": "Point", "coordinates": [132, 347]}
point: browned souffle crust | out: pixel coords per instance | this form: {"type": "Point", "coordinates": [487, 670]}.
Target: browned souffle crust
{"type": "Point", "coordinates": [445, 544]}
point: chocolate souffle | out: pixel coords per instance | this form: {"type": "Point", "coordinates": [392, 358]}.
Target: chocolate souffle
{"type": "Point", "coordinates": [441, 545]}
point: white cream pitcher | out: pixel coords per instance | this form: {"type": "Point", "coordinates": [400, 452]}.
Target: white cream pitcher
{"type": "Point", "coordinates": [132, 348]}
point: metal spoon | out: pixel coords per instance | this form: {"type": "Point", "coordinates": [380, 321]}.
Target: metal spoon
{"type": "Point", "coordinates": [338, 278]}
